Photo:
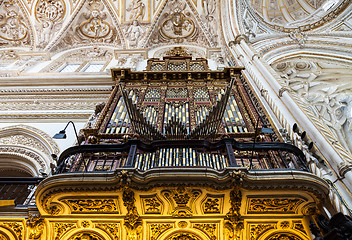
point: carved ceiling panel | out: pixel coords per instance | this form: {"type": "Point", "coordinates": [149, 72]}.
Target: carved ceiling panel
{"type": "Point", "coordinates": [94, 23]}
{"type": "Point", "coordinates": [326, 87]}
{"type": "Point", "coordinates": [286, 11]}
{"type": "Point", "coordinates": [15, 26]}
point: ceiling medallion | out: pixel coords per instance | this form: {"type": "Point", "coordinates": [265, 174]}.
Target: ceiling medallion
{"type": "Point", "coordinates": [53, 10]}
{"type": "Point", "coordinates": [12, 25]}
{"type": "Point", "coordinates": [176, 26]}
{"type": "Point", "coordinates": [95, 27]}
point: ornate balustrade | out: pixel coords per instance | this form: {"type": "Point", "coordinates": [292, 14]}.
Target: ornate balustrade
{"type": "Point", "coordinates": [181, 154]}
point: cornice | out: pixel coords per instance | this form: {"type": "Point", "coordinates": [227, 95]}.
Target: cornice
{"type": "Point", "coordinates": [258, 180]}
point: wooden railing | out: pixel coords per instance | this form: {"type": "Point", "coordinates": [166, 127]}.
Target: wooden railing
{"type": "Point", "coordinates": [180, 154]}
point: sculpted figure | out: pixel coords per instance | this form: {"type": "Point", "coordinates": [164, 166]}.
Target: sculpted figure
{"type": "Point", "coordinates": [133, 33]}
{"type": "Point", "coordinates": [137, 10]}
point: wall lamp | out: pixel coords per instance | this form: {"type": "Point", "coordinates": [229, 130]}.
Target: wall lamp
{"type": "Point", "coordinates": [62, 133]}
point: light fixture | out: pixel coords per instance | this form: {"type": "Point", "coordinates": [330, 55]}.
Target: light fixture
{"type": "Point", "coordinates": [62, 133]}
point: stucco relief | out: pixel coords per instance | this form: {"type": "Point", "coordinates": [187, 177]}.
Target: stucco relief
{"type": "Point", "coordinates": [326, 88]}
{"type": "Point", "coordinates": [14, 29]}
{"type": "Point", "coordinates": [178, 24]}
{"type": "Point", "coordinates": [94, 23]}
{"type": "Point", "coordinates": [49, 15]}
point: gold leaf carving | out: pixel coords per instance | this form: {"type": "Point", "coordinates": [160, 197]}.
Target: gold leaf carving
{"type": "Point", "coordinates": [208, 228]}
{"type": "Point", "coordinates": [212, 205]}
{"type": "Point", "coordinates": [93, 205]}
{"type": "Point", "coordinates": [157, 229]}
{"type": "Point", "coordinates": [86, 236]}
{"type": "Point", "coordinates": [35, 226]}
{"type": "Point", "coordinates": [4, 237]}
{"type": "Point", "coordinates": [299, 226]}
{"type": "Point", "coordinates": [62, 228]}
{"type": "Point", "coordinates": [15, 227]}
{"type": "Point", "coordinates": [233, 219]}
{"type": "Point", "coordinates": [284, 236]}
{"type": "Point", "coordinates": [274, 205]}
{"type": "Point", "coordinates": [183, 236]}
{"type": "Point", "coordinates": [152, 205]}
{"type": "Point", "coordinates": [256, 230]}
{"type": "Point", "coordinates": [111, 228]}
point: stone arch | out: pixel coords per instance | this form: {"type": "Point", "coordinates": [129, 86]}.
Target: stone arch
{"type": "Point", "coordinates": [26, 149]}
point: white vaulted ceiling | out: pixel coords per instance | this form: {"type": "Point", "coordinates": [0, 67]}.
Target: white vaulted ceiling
{"type": "Point", "coordinates": [286, 12]}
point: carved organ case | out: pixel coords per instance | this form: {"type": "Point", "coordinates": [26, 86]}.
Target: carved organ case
{"type": "Point", "coordinates": [168, 159]}
{"type": "Point", "coordinates": [180, 98]}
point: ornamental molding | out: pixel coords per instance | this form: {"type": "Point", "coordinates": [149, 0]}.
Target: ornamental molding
{"type": "Point", "coordinates": [40, 140]}
{"type": "Point", "coordinates": [28, 154]}
{"type": "Point", "coordinates": [180, 200]}
{"type": "Point", "coordinates": [54, 116]}
{"type": "Point", "coordinates": [92, 54]}
{"type": "Point", "coordinates": [56, 90]}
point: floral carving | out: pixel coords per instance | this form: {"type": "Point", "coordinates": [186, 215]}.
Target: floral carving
{"type": "Point", "coordinates": [183, 236]}
{"type": "Point", "coordinates": [284, 236]}
{"type": "Point", "coordinates": [84, 235]}
{"type": "Point", "coordinates": [93, 205]}
{"type": "Point", "coordinates": [274, 205]}
{"type": "Point", "coordinates": [152, 205]}
{"type": "Point", "coordinates": [299, 226]}
{"type": "Point", "coordinates": [211, 205]}
{"type": "Point", "coordinates": [62, 228]}
{"type": "Point", "coordinates": [256, 230]}
{"type": "Point", "coordinates": [15, 227]}
{"type": "Point", "coordinates": [111, 228]}
{"type": "Point", "coordinates": [157, 229]}
{"type": "Point", "coordinates": [209, 228]}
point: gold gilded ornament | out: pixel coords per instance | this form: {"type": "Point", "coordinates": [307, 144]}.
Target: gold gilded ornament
{"type": "Point", "coordinates": [274, 205]}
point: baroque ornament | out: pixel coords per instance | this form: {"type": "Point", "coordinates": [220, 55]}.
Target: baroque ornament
{"type": "Point", "coordinates": [94, 24]}
{"type": "Point", "coordinates": [257, 230]}
{"type": "Point", "coordinates": [152, 205]}
{"type": "Point", "coordinates": [183, 236]}
{"type": "Point", "coordinates": [93, 205]}
{"type": "Point", "coordinates": [14, 227]}
{"type": "Point", "coordinates": [35, 226]}
{"type": "Point", "coordinates": [61, 228]}
{"type": "Point", "coordinates": [177, 24]}
{"type": "Point", "coordinates": [13, 29]}
{"type": "Point", "coordinates": [111, 228]}
{"type": "Point", "coordinates": [284, 236]}
{"type": "Point", "coordinates": [133, 222]}
{"type": "Point", "coordinates": [86, 236]}
{"type": "Point", "coordinates": [233, 219]}
{"type": "Point", "coordinates": [209, 228]}
{"type": "Point", "coordinates": [48, 13]}
{"type": "Point", "coordinates": [156, 229]}
{"type": "Point", "coordinates": [274, 205]}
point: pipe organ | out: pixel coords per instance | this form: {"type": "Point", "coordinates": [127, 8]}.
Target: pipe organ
{"type": "Point", "coordinates": [178, 152]}
{"type": "Point", "coordinates": [179, 98]}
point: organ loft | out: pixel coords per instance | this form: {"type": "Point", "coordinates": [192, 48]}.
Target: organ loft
{"type": "Point", "coordinates": [178, 152]}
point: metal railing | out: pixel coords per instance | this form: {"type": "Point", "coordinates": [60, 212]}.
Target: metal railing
{"type": "Point", "coordinates": [19, 190]}
{"type": "Point", "coordinates": [179, 154]}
